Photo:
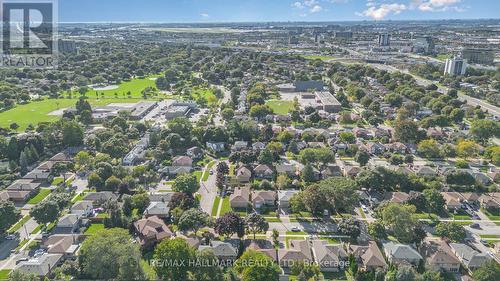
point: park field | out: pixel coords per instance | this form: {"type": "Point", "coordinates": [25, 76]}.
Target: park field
{"type": "Point", "coordinates": [280, 107]}
{"type": "Point", "coordinates": [38, 111]}
{"type": "Point", "coordinates": [318, 57]}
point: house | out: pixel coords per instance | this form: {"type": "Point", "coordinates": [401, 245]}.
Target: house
{"type": "Point", "coordinates": [68, 223]}
{"type": "Point", "coordinates": [40, 173]}
{"type": "Point", "coordinates": [182, 161]}
{"type": "Point", "coordinates": [98, 198]}
{"type": "Point", "coordinates": [21, 190]}
{"type": "Point", "coordinates": [263, 198]}
{"type": "Point", "coordinates": [158, 208]}
{"type": "Point", "coordinates": [83, 208]}
{"type": "Point", "coordinates": [401, 254]}
{"type": "Point", "coordinates": [151, 231]}
{"type": "Point", "coordinates": [226, 251]}
{"type": "Point", "coordinates": [160, 197]}
{"type": "Point", "coordinates": [243, 174]}
{"type": "Point", "coordinates": [489, 202]}
{"type": "Point", "coordinates": [481, 178]}
{"type": "Point", "coordinates": [240, 197]}
{"type": "Point", "coordinates": [40, 266]}
{"type": "Point", "coordinates": [453, 200]}
{"type": "Point", "coordinates": [469, 257]}
{"type": "Point", "coordinates": [298, 251]}
{"type": "Point", "coordinates": [64, 244]}
{"type": "Point", "coordinates": [286, 169]}
{"type": "Point", "coordinates": [330, 258]}
{"type": "Point", "coordinates": [369, 256]}
{"type": "Point", "coordinates": [439, 255]}
{"type": "Point", "coordinates": [262, 245]}
{"type": "Point", "coordinates": [397, 147]}
{"type": "Point", "coordinates": [351, 171]}
{"type": "Point", "coordinates": [216, 146]}
{"type": "Point", "coordinates": [331, 170]}
{"type": "Point", "coordinates": [239, 145]}
{"type": "Point", "coordinates": [258, 146]}
{"type": "Point", "coordinates": [375, 148]}
{"type": "Point", "coordinates": [263, 171]}
{"type": "Point", "coordinates": [471, 197]}
{"type": "Point", "coordinates": [396, 197]}
{"type": "Point", "coordinates": [195, 152]}
{"type": "Point", "coordinates": [425, 171]}
{"type": "Point", "coordinates": [284, 197]}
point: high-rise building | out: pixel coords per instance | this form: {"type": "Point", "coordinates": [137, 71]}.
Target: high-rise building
{"type": "Point", "coordinates": [384, 40]}
{"type": "Point", "coordinates": [343, 35]}
{"type": "Point", "coordinates": [455, 66]}
{"type": "Point", "coordinates": [423, 44]}
{"type": "Point", "coordinates": [479, 56]}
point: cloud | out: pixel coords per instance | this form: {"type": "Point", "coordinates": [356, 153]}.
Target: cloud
{"type": "Point", "coordinates": [204, 15]}
{"type": "Point", "coordinates": [382, 11]}
{"type": "Point", "coordinates": [316, 9]}
{"type": "Point", "coordinates": [437, 5]}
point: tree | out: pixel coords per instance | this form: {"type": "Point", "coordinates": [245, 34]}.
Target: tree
{"type": "Point", "coordinates": [418, 200]}
{"type": "Point", "coordinates": [112, 183]}
{"type": "Point", "coordinates": [208, 270]}
{"type": "Point", "coordinates": [315, 200]}
{"type": "Point", "coordinates": [435, 201]}
{"type": "Point", "coordinates": [406, 131]}
{"type": "Point", "coordinates": [402, 273]}
{"type": "Point", "coordinates": [193, 219]}
{"type": "Point", "coordinates": [230, 223]}
{"type": "Point", "coordinates": [349, 227]}
{"type": "Point", "coordinates": [260, 111]}
{"type": "Point", "coordinates": [308, 174]}
{"type": "Point", "coordinates": [227, 113]}
{"type": "Point", "coordinates": [8, 215]}
{"type": "Point", "coordinates": [340, 193]}
{"type": "Point", "coordinates": [482, 130]}
{"type": "Point", "coordinates": [452, 231]}
{"type": "Point", "coordinates": [377, 230]}
{"type": "Point", "coordinates": [181, 200]}
{"type": "Point", "coordinates": [186, 183]}
{"type": "Point", "coordinates": [256, 266]}
{"type": "Point", "coordinates": [110, 254]}
{"type": "Point", "coordinates": [429, 148]}
{"type": "Point", "coordinates": [266, 157]}
{"type": "Point", "coordinates": [72, 133]}
{"type": "Point", "coordinates": [467, 149]}
{"type": "Point", "coordinates": [178, 252]}
{"type": "Point", "coordinates": [362, 157]}
{"type": "Point", "coordinates": [487, 272]}
{"type": "Point", "coordinates": [256, 223]}
{"type": "Point", "coordinates": [140, 201]}
{"type": "Point", "coordinates": [94, 180]}
{"type": "Point", "coordinates": [460, 178]}
{"type": "Point", "coordinates": [399, 220]}
{"type": "Point", "coordinates": [305, 271]}
{"type": "Point", "coordinates": [45, 212]}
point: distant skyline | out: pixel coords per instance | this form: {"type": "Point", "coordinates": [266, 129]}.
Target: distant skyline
{"type": "Point", "coordinates": [191, 11]}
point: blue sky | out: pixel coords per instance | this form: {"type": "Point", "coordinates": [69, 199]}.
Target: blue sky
{"type": "Point", "coordinates": [272, 10]}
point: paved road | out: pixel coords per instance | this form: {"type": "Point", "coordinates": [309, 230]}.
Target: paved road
{"type": "Point", "coordinates": [208, 191]}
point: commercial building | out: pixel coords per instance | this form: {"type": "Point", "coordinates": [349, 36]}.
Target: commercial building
{"type": "Point", "coordinates": [455, 66]}
{"type": "Point", "coordinates": [384, 40]}
{"type": "Point", "coordinates": [424, 44]}
{"type": "Point", "coordinates": [479, 56]}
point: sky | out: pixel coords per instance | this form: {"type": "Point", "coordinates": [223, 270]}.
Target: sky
{"type": "Point", "coordinates": [176, 11]}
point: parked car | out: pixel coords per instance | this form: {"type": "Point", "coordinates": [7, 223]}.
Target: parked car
{"type": "Point", "coordinates": [475, 225]}
{"type": "Point", "coordinates": [11, 237]}
{"type": "Point", "coordinates": [295, 229]}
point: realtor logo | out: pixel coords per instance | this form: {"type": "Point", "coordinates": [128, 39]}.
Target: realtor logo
{"type": "Point", "coordinates": [28, 37]}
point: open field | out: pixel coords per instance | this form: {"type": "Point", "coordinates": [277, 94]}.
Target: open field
{"type": "Point", "coordinates": [204, 94]}
{"type": "Point", "coordinates": [281, 107]}
{"type": "Point", "coordinates": [4, 274]}
{"type": "Point", "coordinates": [38, 111]}
{"type": "Point", "coordinates": [318, 57]}
{"type": "Point", "coordinates": [93, 228]}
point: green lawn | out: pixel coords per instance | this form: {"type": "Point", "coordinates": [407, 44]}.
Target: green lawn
{"type": "Point", "coordinates": [38, 111]}
{"type": "Point", "coordinates": [494, 216]}
{"type": "Point", "coordinates": [134, 86]}
{"type": "Point", "coordinates": [443, 57]}
{"type": "Point", "coordinates": [44, 192]}
{"type": "Point", "coordinates": [198, 175]}
{"type": "Point", "coordinates": [226, 206]}
{"type": "Point", "coordinates": [296, 233]}
{"type": "Point", "coordinates": [489, 236]}
{"type": "Point", "coordinates": [4, 274]}
{"type": "Point", "coordinates": [272, 219]}
{"type": "Point", "coordinates": [204, 94]}
{"type": "Point", "coordinates": [216, 206]}
{"type": "Point", "coordinates": [319, 57]}
{"type": "Point", "coordinates": [18, 224]}
{"type": "Point", "coordinates": [57, 180]}
{"type": "Point", "coordinates": [93, 228]}
{"type": "Point", "coordinates": [79, 197]}
{"type": "Point", "coordinates": [280, 107]}
{"type": "Point", "coordinates": [149, 270]}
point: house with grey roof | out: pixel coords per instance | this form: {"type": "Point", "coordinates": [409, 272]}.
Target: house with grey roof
{"type": "Point", "coordinates": [68, 223]}
{"type": "Point", "coordinates": [159, 209]}
{"type": "Point", "coordinates": [469, 257]}
{"type": "Point", "coordinates": [83, 208]}
{"type": "Point", "coordinates": [226, 250]}
{"type": "Point", "coordinates": [401, 254]}
{"type": "Point", "coordinates": [40, 266]}
{"type": "Point", "coordinates": [284, 197]}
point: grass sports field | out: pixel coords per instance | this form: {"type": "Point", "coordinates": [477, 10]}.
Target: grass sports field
{"type": "Point", "coordinates": [317, 57]}
{"type": "Point", "coordinates": [281, 107]}
{"type": "Point", "coordinates": [38, 111]}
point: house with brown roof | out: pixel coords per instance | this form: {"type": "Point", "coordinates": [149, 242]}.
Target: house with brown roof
{"type": "Point", "coordinates": [396, 197]}
{"type": "Point", "coordinates": [263, 198]}
{"type": "Point", "coordinates": [240, 197]}
{"type": "Point", "coordinates": [287, 169]}
{"type": "Point", "coordinates": [329, 257]}
{"type": "Point", "coordinates": [490, 202]}
{"type": "Point", "coordinates": [369, 256]}
{"type": "Point", "coordinates": [351, 171]}
{"type": "Point", "coordinates": [182, 161]}
{"type": "Point", "coordinates": [298, 251]}
{"type": "Point", "coordinates": [439, 255]}
{"type": "Point", "coordinates": [263, 171]}
{"type": "Point", "coordinates": [151, 231]}
{"type": "Point", "coordinates": [453, 200]}
{"type": "Point", "coordinates": [64, 244]}
{"type": "Point", "coordinates": [243, 174]}
{"type": "Point", "coordinates": [21, 190]}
